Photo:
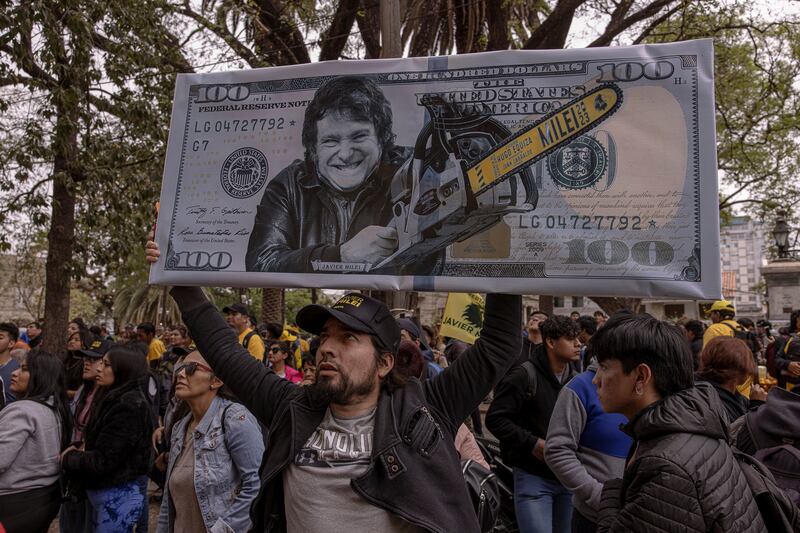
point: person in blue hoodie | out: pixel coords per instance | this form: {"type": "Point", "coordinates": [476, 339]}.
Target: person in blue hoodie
{"type": "Point", "coordinates": [585, 447]}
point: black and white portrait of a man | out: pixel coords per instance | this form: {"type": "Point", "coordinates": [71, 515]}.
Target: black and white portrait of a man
{"type": "Point", "coordinates": [333, 206]}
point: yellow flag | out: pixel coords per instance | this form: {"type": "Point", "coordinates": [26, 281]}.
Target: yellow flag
{"type": "Point", "coordinates": [463, 317]}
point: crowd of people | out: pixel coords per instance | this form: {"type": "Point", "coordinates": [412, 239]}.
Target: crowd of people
{"type": "Point", "coordinates": [621, 423]}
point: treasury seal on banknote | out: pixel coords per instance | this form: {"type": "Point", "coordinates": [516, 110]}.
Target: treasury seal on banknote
{"type": "Point", "coordinates": [244, 172]}
{"type": "Point", "coordinates": [579, 164]}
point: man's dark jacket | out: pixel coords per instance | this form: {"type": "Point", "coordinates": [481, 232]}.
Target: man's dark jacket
{"type": "Point", "coordinates": [118, 439]}
{"type": "Point", "coordinates": [526, 353]}
{"type": "Point", "coordinates": [784, 356]}
{"type": "Point", "coordinates": [298, 220]}
{"type": "Point", "coordinates": [415, 471]}
{"type": "Point", "coordinates": [681, 474]}
{"type": "Point", "coordinates": [517, 420]}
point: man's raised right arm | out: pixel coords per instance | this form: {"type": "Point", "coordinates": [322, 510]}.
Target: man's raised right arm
{"type": "Point", "coordinates": [257, 387]}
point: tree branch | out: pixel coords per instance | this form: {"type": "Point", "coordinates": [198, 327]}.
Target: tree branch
{"type": "Point", "coordinates": [614, 28]}
{"type": "Point", "coordinates": [553, 32]}
{"type": "Point", "coordinates": [335, 37]}
{"type": "Point", "coordinates": [219, 29]}
{"type": "Point", "coordinates": [276, 36]}
{"type": "Point", "coordinates": [10, 204]}
{"type": "Point", "coordinates": [368, 22]}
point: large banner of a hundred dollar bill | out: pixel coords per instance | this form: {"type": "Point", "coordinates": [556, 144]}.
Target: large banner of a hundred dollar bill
{"type": "Point", "coordinates": [587, 171]}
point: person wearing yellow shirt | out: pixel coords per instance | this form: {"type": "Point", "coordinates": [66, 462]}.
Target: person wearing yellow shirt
{"type": "Point", "coordinates": [146, 333]}
{"type": "Point", "coordinates": [238, 317]}
{"type": "Point", "coordinates": [722, 313]}
{"type": "Point", "coordinates": [291, 334]}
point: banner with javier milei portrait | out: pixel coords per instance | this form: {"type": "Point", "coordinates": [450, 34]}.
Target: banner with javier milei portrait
{"type": "Point", "coordinates": [552, 172]}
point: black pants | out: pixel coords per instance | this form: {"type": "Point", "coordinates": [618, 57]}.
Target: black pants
{"type": "Point", "coordinates": [30, 511]}
{"type": "Point", "coordinates": [581, 524]}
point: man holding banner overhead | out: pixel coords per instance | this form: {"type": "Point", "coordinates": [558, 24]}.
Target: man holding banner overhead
{"type": "Point", "coordinates": [363, 448]}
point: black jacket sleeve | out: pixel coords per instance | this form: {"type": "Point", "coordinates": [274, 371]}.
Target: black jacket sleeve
{"type": "Point", "coordinates": [460, 388]}
{"type": "Point", "coordinates": [274, 244]}
{"type": "Point", "coordinates": [256, 386]}
{"type": "Point", "coordinates": [501, 419]}
{"type": "Point", "coordinates": [660, 497]}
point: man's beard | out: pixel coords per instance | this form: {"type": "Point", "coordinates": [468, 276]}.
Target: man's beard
{"type": "Point", "coordinates": [342, 391]}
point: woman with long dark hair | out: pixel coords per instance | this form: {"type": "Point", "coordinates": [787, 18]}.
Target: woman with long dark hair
{"type": "Point", "coordinates": [33, 431]}
{"type": "Point", "coordinates": [116, 455]}
{"type": "Point", "coordinates": [73, 363]}
{"type": "Point", "coordinates": [76, 512]}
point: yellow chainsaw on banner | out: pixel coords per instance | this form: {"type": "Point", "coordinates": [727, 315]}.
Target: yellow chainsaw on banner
{"type": "Point", "coordinates": [467, 167]}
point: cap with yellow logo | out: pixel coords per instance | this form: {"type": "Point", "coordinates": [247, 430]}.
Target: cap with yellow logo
{"type": "Point", "coordinates": [357, 312]}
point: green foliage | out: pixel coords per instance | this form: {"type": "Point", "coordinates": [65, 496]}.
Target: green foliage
{"type": "Point", "coordinates": [115, 61]}
{"type": "Point", "coordinates": [757, 63]}
{"type": "Point", "coordinates": [296, 299]}
{"type": "Point", "coordinates": [82, 305]}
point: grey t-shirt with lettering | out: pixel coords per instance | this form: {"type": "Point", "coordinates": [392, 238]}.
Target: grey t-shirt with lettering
{"type": "Point", "coordinates": [316, 485]}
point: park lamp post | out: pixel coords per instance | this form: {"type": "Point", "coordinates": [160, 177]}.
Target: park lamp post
{"type": "Point", "coordinates": [780, 233]}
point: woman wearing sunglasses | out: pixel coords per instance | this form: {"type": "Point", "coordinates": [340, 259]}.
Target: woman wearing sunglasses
{"type": "Point", "coordinates": [278, 352]}
{"type": "Point", "coordinates": [116, 450]}
{"type": "Point", "coordinates": [33, 431]}
{"type": "Point", "coordinates": [214, 456]}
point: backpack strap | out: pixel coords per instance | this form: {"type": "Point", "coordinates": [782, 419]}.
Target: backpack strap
{"type": "Point", "coordinates": [788, 342]}
{"type": "Point", "coordinates": [224, 414]}
{"type": "Point", "coordinates": [247, 338]}
{"type": "Point", "coordinates": [530, 370]}
{"type": "Point", "coordinates": [735, 330]}
{"type": "Point", "coordinates": [789, 448]}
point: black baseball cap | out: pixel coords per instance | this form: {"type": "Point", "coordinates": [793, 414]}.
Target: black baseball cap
{"type": "Point", "coordinates": [180, 351]}
{"type": "Point", "coordinates": [237, 308]}
{"type": "Point", "coordinates": [96, 349]}
{"type": "Point", "coordinates": [409, 325]}
{"type": "Point", "coordinates": [359, 313]}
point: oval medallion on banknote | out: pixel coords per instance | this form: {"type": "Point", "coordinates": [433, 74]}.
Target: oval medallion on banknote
{"type": "Point", "coordinates": [244, 172]}
{"type": "Point", "coordinates": [579, 164]}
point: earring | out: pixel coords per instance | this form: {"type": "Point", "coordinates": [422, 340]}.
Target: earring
{"type": "Point", "coordinates": [638, 389]}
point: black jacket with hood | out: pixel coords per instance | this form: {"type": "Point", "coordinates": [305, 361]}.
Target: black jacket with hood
{"type": "Point", "coordinates": [519, 420]}
{"type": "Point", "coordinates": [681, 473]}
{"type": "Point", "coordinates": [117, 441]}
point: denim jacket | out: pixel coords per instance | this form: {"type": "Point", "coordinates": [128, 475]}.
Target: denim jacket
{"type": "Point", "coordinates": [227, 457]}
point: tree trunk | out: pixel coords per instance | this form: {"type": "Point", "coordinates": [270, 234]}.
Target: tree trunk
{"type": "Point", "coordinates": [386, 297]}
{"type": "Point", "coordinates": [611, 304]}
{"type": "Point", "coordinates": [272, 306]}
{"type": "Point", "coordinates": [498, 21]}
{"type": "Point", "coordinates": [61, 236]}
{"type": "Point", "coordinates": [546, 304]}
{"type": "Point", "coordinates": [368, 20]}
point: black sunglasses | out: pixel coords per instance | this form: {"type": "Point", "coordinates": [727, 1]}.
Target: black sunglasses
{"type": "Point", "coordinates": [275, 349]}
